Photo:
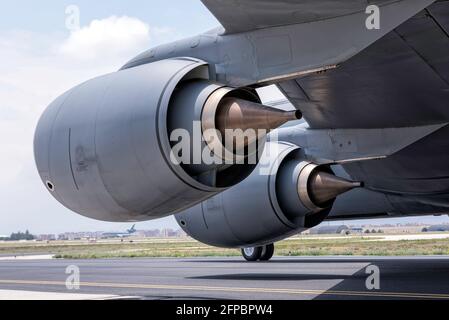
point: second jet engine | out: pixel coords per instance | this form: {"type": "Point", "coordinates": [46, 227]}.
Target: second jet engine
{"type": "Point", "coordinates": [285, 195]}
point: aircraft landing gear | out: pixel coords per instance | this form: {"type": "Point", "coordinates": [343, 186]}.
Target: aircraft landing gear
{"type": "Point", "coordinates": [267, 252]}
{"type": "Point", "coordinates": [263, 253]}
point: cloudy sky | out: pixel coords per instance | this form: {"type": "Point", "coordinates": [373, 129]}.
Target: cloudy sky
{"type": "Point", "coordinates": [41, 58]}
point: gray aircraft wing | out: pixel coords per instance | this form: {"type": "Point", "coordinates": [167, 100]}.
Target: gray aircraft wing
{"type": "Point", "coordinates": [246, 15]}
{"type": "Point", "coordinates": [400, 80]}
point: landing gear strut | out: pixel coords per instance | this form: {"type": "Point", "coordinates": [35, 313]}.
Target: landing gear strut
{"type": "Point", "coordinates": [263, 253]}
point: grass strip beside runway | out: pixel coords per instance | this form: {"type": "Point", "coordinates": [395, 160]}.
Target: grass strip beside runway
{"type": "Point", "coordinates": [180, 248]}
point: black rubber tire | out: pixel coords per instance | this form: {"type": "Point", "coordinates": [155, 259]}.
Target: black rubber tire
{"type": "Point", "coordinates": [254, 255]}
{"type": "Point", "coordinates": [267, 252]}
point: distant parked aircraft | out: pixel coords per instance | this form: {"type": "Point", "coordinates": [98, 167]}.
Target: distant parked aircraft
{"type": "Point", "coordinates": [128, 233]}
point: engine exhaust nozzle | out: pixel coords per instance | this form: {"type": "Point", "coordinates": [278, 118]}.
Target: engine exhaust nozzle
{"type": "Point", "coordinates": [254, 120]}
{"type": "Point", "coordinates": [235, 113]}
{"type": "Point", "coordinates": [324, 187]}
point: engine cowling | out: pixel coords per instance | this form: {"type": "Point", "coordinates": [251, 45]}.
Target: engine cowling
{"type": "Point", "coordinates": [103, 149]}
{"type": "Point", "coordinates": [283, 196]}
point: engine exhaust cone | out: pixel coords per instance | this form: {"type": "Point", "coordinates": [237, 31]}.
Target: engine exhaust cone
{"type": "Point", "coordinates": [324, 187]}
{"type": "Point", "coordinates": [254, 119]}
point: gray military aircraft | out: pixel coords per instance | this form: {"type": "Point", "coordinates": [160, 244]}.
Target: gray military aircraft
{"type": "Point", "coordinates": [370, 84]}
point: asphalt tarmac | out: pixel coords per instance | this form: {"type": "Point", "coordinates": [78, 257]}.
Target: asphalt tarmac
{"type": "Point", "coordinates": [226, 278]}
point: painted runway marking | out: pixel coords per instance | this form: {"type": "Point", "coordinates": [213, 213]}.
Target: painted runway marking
{"type": "Point", "coordinates": [30, 257]}
{"type": "Point", "coordinates": [37, 295]}
{"type": "Point", "coordinates": [411, 295]}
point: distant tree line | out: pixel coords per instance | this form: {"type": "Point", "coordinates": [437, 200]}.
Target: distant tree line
{"type": "Point", "coordinates": [20, 236]}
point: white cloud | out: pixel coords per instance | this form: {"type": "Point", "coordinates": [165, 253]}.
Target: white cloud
{"type": "Point", "coordinates": [114, 36]}
{"type": "Point", "coordinates": [35, 69]}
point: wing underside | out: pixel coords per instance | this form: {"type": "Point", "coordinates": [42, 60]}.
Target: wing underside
{"type": "Point", "coordinates": [400, 80]}
{"type": "Point", "coordinates": [397, 81]}
{"type": "Point", "coordinates": [246, 15]}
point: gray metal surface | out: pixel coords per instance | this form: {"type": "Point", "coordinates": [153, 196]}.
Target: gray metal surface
{"type": "Point", "coordinates": [249, 213]}
{"type": "Point", "coordinates": [104, 146]}
{"type": "Point", "coordinates": [353, 145]}
{"type": "Point", "coordinates": [246, 15]}
{"type": "Point", "coordinates": [277, 200]}
{"type": "Point", "coordinates": [402, 80]}
{"type": "Point", "coordinates": [231, 278]}
{"type": "Point", "coordinates": [272, 54]}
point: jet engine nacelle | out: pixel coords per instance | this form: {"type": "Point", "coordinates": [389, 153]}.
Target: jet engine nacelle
{"type": "Point", "coordinates": [103, 148]}
{"type": "Point", "coordinates": [283, 196]}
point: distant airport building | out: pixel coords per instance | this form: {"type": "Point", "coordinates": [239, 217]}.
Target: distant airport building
{"type": "Point", "coordinates": [154, 233]}
{"type": "Point", "coordinates": [46, 237]}
{"type": "Point", "coordinates": [397, 229]}
{"type": "Point", "coordinates": [79, 235]}
{"type": "Point", "coordinates": [168, 233]}
{"type": "Point", "coordinates": [437, 228]}
{"type": "Point", "coordinates": [337, 229]}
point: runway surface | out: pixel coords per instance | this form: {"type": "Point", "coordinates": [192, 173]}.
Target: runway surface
{"type": "Point", "coordinates": [227, 278]}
